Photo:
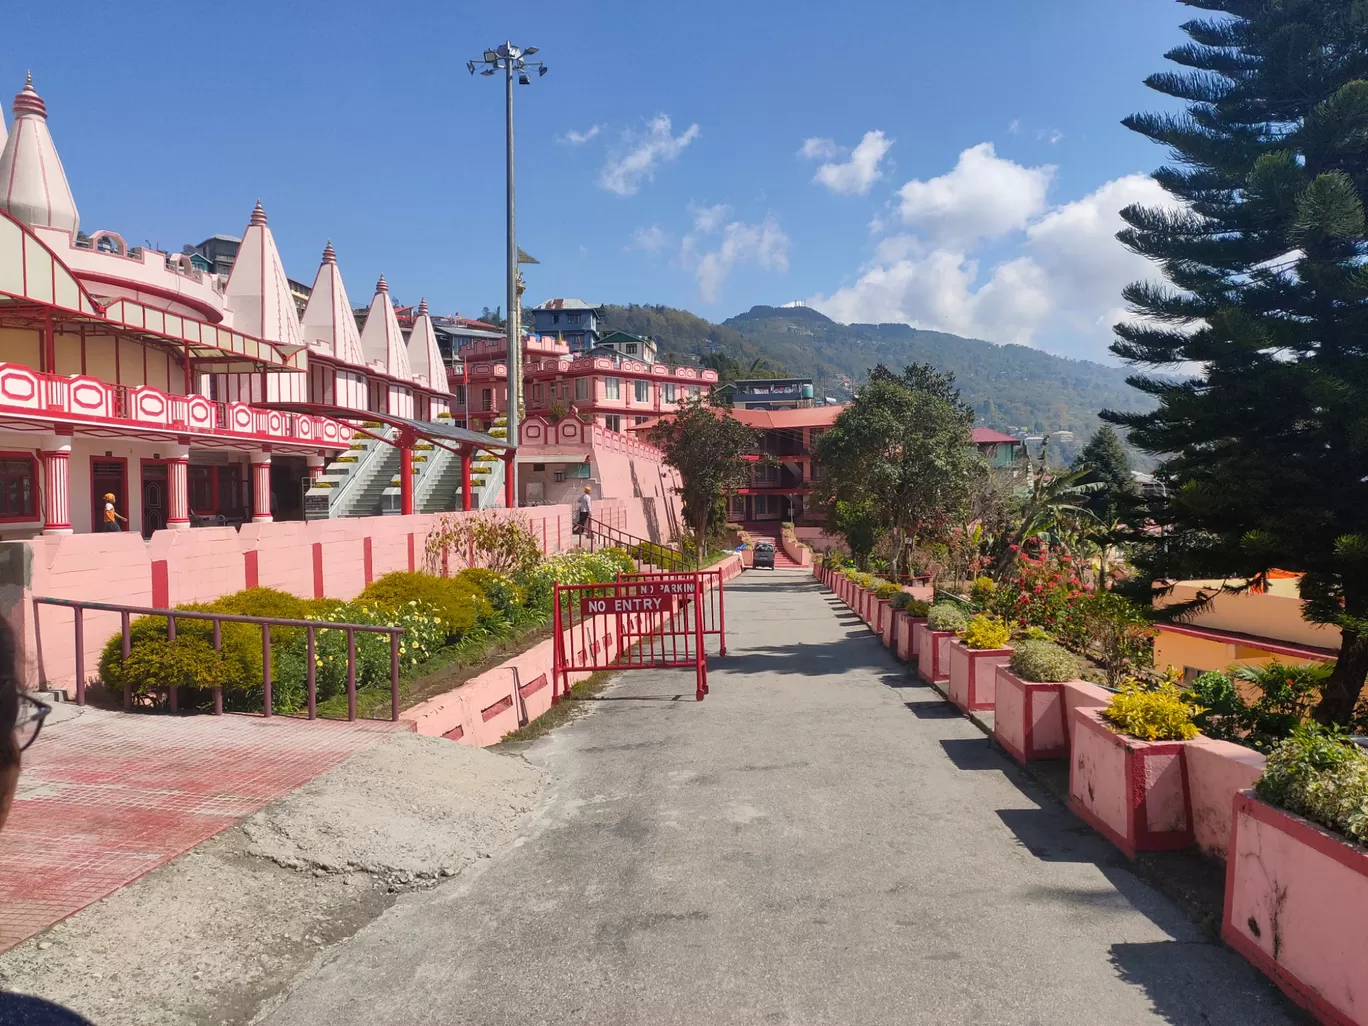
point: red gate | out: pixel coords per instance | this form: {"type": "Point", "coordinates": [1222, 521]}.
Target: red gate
{"type": "Point", "coordinates": [714, 610]}
{"type": "Point", "coordinates": [649, 624]}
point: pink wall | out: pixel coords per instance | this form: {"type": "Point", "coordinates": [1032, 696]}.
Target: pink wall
{"type": "Point", "coordinates": [332, 558]}
{"type": "Point", "coordinates": [1028, 718]}
{"type": "Point", "coordinates": [1305, 890]}
{"type": "Point", "coordinates": [1217, 772]}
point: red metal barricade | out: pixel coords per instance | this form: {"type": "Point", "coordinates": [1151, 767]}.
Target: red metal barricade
{"type": "Point", "coordinates": [649, 624]}
{"type": "Point", "coordinates": [714, 609]}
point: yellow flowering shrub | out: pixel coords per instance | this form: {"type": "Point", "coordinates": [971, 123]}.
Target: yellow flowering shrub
{"type": "Point", "coordinates": [1152, 715]}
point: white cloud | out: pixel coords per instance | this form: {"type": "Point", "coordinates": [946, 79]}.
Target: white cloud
{"type": "Point", "coordinates": [1060, 288]}
{"type": "Point", "coordinates": [709, 219]}
{"type": "Point", "coordinates": [574, 138]}
{"type": "Point", "coordinates": [1050, 135]}
{"type": "Point", "coordinates": [818, 149]}
{"type": "Point", "coordinates": [983, 197]}
{"type": "Point", "coordinates": [640, 152]}
{"type": "Point", "coordinates": [649, 240]}
{"type": "Point", "coordinates": [763, 244]}
{"type": "Point", "coordinates": [1015, 127]}
{"type": "Point", "coordinates": [854, 176]}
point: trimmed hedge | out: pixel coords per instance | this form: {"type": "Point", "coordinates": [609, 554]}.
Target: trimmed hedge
{"type": "Point", "coordinates": [459, 601]}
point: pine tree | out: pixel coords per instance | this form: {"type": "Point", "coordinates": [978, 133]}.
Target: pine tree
{"type": "Point", "coordinates": [1105, 460]}
{"type": "Point", "coordinates": [1266, 449]}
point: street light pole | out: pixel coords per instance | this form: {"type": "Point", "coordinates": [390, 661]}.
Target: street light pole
{"type": "Point", "coordinates": [511, 59]}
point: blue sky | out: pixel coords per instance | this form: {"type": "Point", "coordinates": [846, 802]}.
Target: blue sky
{"type": "Point", "coordinates": [954, 165]}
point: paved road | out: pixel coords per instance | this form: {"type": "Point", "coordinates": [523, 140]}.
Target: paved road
{"type": "Point", "coordinates": [817, 843]}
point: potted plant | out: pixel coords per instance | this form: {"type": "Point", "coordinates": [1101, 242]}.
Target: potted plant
{"type": "Point", "coordinates": [974, 658]}
{"type": "Point", "coordinates": [943, 621]}
{"type": "Point", "coordinates": [907, 614]}
{"type": "Point", "coordinates": [1297, 872]}
{"type": "Point", "coordinates": [881, 619]}
{"type": "Point", "coordinates": [1028, 707]}
{"type": "Point", "coordinates": [1127, 774]}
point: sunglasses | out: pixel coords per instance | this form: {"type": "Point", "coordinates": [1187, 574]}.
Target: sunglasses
{"type": "Point", "coordinates": [32, 713]}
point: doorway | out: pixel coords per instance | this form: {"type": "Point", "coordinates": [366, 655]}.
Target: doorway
{"type": "Point", "coordinates": [108, 476]}
{"type": "Point", "coordinates": [155, 500]}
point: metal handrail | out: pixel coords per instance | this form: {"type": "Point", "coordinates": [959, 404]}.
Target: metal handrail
{"type": "Point", "coordinates": [311, 628]}
{"type": "Point", "coordinates": [615, 536]}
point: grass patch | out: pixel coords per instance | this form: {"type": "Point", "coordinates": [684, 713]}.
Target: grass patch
{"type": "Point", "coordinates": [484, 647]}
{"type": "Point", "coordinates": [563, 712]}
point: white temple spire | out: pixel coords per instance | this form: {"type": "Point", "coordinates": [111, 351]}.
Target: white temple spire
{"type": "Point", "coordinates": [382, 343]}
{"type": "Point", "coordinates": [328, 315]}
{"type": "Point", "coordinates": [33, 186]}
{"type": "Point", "coordinates": [258, 293]}
{"type": "Point", "coordinates": [425, 358]}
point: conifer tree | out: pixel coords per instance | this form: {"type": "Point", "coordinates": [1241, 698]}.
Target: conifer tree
{"type": "Point", "coordinates": [1105, 461]}
{"type": "Point", "coordinates": [1265, 449]}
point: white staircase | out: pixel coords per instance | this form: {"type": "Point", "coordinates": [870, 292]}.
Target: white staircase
{"type": "Point", "coordinates": [352, 484]}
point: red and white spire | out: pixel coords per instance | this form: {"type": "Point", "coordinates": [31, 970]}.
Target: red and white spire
{"type": "Point", "coordinates": [328, 317]}
{"type": "Point", "coordinates": [382, 343]}
{"type": "Point", "coordinates": [258, 293]}
{"type": "Point", "coordinates": [425, 358]}
{"type": "Point", "coordinates": [33, 186]}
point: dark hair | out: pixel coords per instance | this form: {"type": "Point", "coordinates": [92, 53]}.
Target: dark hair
{"type": "Point", "coordinates": [9, 697]}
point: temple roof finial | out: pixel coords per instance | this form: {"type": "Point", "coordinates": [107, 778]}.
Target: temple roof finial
{"type": "Point", "coordinates": [382, 285]}
{"type": "Point", "coordinates": [329, 254]}
{"type": "Point", "coordinates": [258, 214]}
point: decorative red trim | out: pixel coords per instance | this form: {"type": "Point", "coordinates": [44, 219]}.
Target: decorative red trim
{"type": "Point", "coordinates": [251, 568]}
{"type": "Point", "coordinates": [1252, 641]}
{"type": "Point", "coordinates": [533, 686]}
{"type": "Point", "coordinates": [411, 564]}
{"type": "Point", "coordinates": [456, 733]}
{"type": "Point", "coordinates": [161, 584]}
{"type": "Point", "coordinates": [501, 705]}
{"type": "Point", "coordinates": [367, 560]}
{"type": "Point", "coordinates": [318, 569]}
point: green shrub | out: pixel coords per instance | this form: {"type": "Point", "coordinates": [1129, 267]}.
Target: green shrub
{"type": "Point", "coordinates": [499, 589]}
{"type": "Point", "coordinates": [424, 634]}
{"type": "Point", "coordinates": [1043, 662]}
{"type": "Point", "coordinates": [661, 556]}
{"type": "Point", "coordinates": [863, 580]}
{"type": "Point", "coordinates": [1160, 714]}
{"type": "Point", "coordinates": [263, 602]}
{"type": "Point", "coordinates": [917, 607]}
{"type": "Point", "coordinates": [1118, 632]}
{"type": "Point", "coordinates": [156, 665]}
{"type": "Point", "coordinates": [1322, 775]}
{"type": "Point", "coordinates": [885, 590]}
{"type": "Point", "coordinates": [459, 601]}
{"type": "Point", "coordinates": [1032, 633]}
{"type": "Point", "coordinates": [899, 601]}
{"type": "Point", "coordinates": [986, 632]}
{"type": "Point", "coordinates": [946, 616]}
{"type": "Point", "coordinates": [981, 592]}
{"type": "Point", "coordinates": [574, 567]}
{"type": "Point", "coordinates": [1283, 699]}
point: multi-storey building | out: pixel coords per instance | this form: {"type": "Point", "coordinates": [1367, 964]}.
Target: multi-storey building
{"type": "Point", "coordinates": [603, 387]}
{"type": "Point", "coordinates": [573, 320]}
{"type": "Point", "coordinates": [147, 375]}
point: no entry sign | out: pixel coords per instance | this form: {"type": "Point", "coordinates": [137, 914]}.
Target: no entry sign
{"type": "Point", "coordinates": [625, 604]}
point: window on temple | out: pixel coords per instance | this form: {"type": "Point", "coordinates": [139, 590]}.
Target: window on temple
{"type": "Point", "coordinates": [18, 488]}
{"type": "Point", "coordinates": [613, 422]}
{"type": "Point", "coordinates": [555, 318]}
{"type": "Point", "coordinates": [612, 388]}
{"type": "Point", "coordinates": [581, 388]}
{"type": "Point", "coordinates": [643, 391]}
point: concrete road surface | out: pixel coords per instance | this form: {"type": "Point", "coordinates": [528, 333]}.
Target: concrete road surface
{"type": "Point", "coordinates": [817, 843]}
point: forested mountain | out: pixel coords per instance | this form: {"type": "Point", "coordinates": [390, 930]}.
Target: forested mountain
{"type": "Point", "coordinates": [1009, 386]}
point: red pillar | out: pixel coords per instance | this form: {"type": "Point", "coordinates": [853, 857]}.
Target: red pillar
{"type": "Point", "coordinates": [465, 480]}
{"type": "Point", "coordinates": [406, 441]}
{"type": "Point", "coordinates": [56, 490]}
{"type": "Point", "coordinates": [510, 499]}
{"type": "Point", "coordinates": [178, 488]}
{"type": "Point", "coordinates": [261, 487]}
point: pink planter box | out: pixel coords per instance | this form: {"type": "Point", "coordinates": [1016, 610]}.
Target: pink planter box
{"type": "Point", "coordinates": [1296, 905]}
{"type": "Point", "coordinates": [1028, 717]}
{"type": "Point", "coordinates": [887, 618]}
{"type": "Point", "coordinates": [933, 654]}
{"type": "Point", "coordinates": [904, 634]}
{"type": "Point", "coordinates": [880, 616]}
{"type": "Point", "coordinates": [973, 674]}
{"type": "Point", "coordinates": [1133, 792]}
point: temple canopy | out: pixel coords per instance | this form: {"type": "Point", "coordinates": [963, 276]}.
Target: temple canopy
{"type": "Point", "coordinates": [447, 435]}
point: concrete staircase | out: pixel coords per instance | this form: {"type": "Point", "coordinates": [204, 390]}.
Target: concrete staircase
{"type": "Point", "coordinates": [772, 531]}
{"type": "Point", "coordinates": [352, 484]}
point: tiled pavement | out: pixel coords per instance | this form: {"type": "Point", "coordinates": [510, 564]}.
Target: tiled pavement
{"type": "Point", "coordinates": [105, 797]}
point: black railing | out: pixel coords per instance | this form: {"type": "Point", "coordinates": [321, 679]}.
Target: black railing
{"type": "Point", "coordinates": [643, 550]}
